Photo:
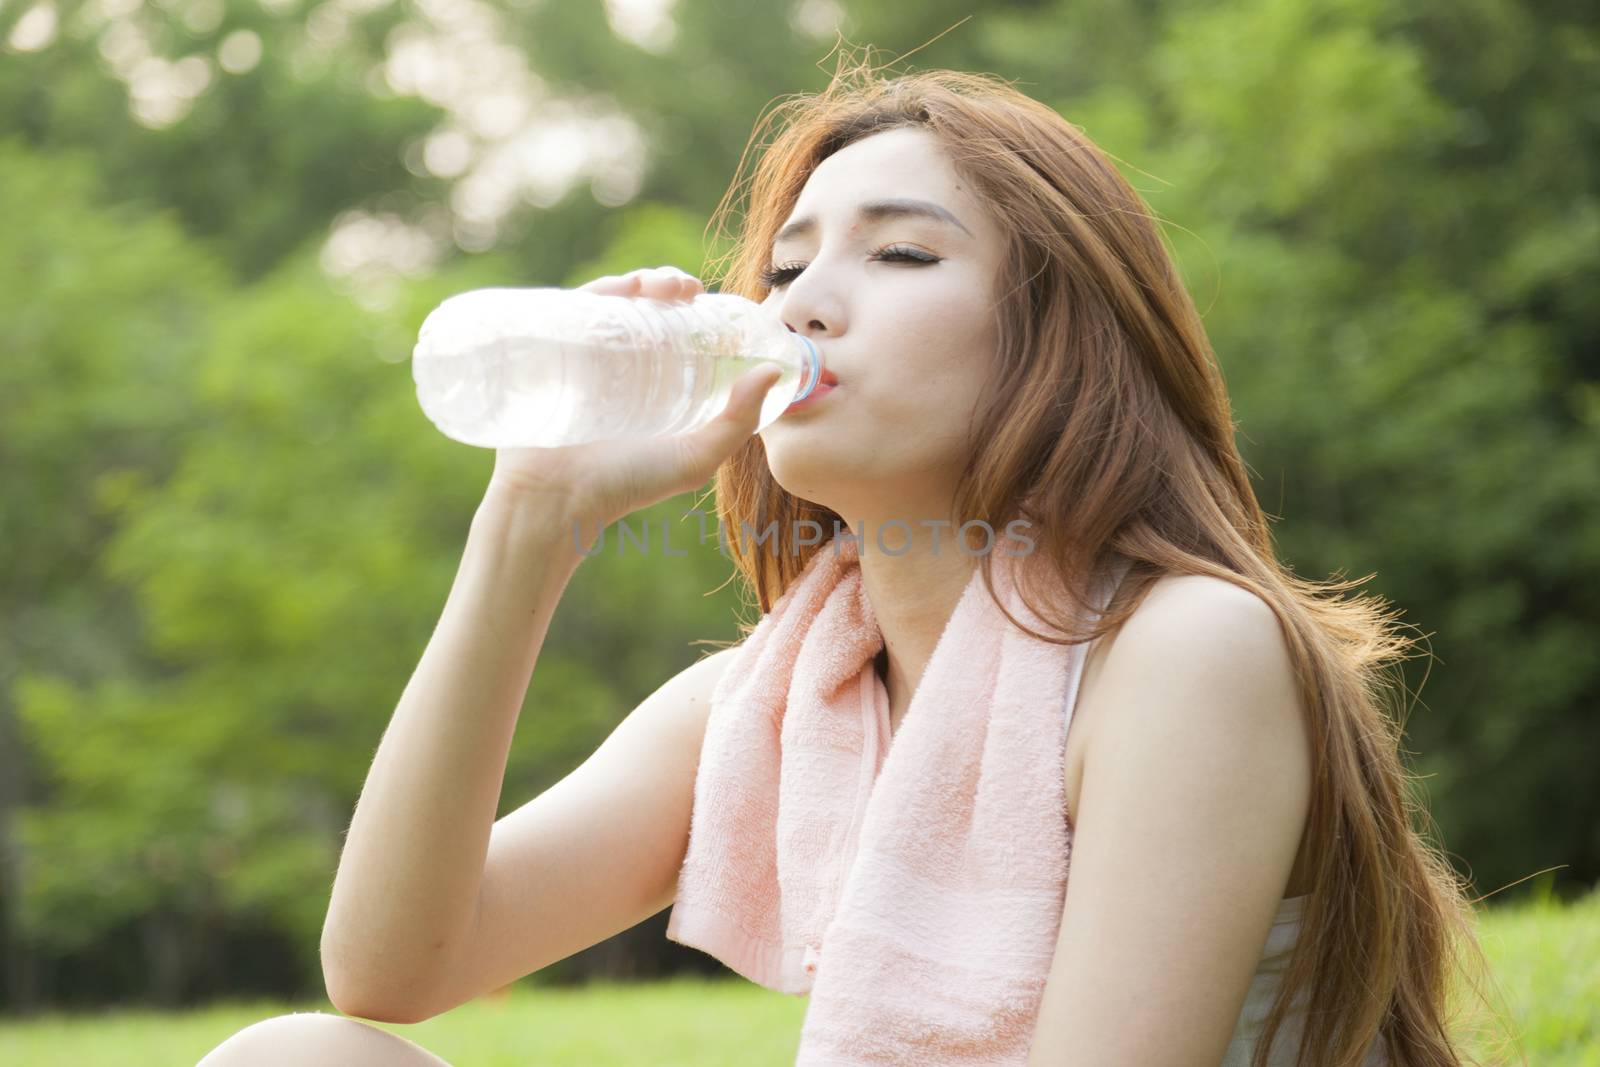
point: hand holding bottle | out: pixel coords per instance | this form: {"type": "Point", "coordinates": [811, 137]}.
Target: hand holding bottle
{"type": "Point", "coordinates": [602, 481]}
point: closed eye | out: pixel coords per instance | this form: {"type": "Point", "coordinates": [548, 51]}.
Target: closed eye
{"type": "Point", "coordinates": [774, 276]}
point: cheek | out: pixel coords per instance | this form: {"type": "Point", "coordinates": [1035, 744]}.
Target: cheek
{"type": "Point", "coordinates": [946, 313]}
{"type": "Point", "coordinates": [945, 351]}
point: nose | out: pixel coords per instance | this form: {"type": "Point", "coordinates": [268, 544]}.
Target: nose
{"type": "Point", "coordinates": [808, 306]}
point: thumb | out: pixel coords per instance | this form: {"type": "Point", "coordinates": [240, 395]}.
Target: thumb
{"type": "Point", "coordinates": [748, 394]}
{"type": "Point", "coordinates": [719, 438]}
{"type": "Point", "coordinates": [742, 412]}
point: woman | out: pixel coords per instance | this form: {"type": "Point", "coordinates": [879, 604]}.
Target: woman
{"type": "Point", "coordinates": [1011, 343]}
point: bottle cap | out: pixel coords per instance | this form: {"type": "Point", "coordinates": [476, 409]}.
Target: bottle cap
{"type": "Point", "coordinates": [810, 367]}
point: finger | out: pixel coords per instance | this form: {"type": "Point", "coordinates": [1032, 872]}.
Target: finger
{"type": "Point", "coordinates": [687, 285]}
{"type": "Point", "coordinates": [665, 283]}
{"type": "Point", "coordinates": [748, 394]}
{"type": "Point", "coordinates": [613, 285]}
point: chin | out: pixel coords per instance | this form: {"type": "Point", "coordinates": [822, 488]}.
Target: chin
{"type": "Point", "coordinates": [811, 484]}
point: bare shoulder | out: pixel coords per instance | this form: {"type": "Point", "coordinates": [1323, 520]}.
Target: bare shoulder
{"type": "Point", "coordinates": [1178, 598]}
{"type": "Point", "coordinates": [694, 687]}
{"type": "Point", "coordinates": [1192, 623]}
{"type": "Point", "coordinates": [709, 668]}
{"type": "Point", "coordinates": [1195, 645]}
{"type": "Point", "coordinates": [1199, 675]}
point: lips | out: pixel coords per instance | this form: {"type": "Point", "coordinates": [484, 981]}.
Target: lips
{"type": "Point", "coordinates": [820, 392]}
{"type": "Point", "coordinates": [827, 377]}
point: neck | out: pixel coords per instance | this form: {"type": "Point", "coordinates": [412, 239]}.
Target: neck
{"type": "Point", "coordinates": [913, 597]}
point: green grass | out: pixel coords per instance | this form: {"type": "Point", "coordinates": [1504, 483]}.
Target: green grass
{"type": "Point", "coordinates": [1545, 959]}
{"type": "Point", "coordinates": [688, 1022]}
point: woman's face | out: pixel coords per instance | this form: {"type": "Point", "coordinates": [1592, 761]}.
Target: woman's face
{"type": "Point", "coordinates": [911, 342]}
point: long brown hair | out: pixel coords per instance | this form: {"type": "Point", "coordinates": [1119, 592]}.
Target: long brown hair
{"type": "Point", "coordinates": [1109, 407]}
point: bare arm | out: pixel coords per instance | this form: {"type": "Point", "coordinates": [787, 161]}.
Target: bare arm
{"type": "Point", "coordinates": [1197, 781]}
{"type": "Point", "coordinates": [596, 853]}
{"type": "Point", "coordinates": [404, 915]}
{"type": "Point", "coordinates": [409, 876]}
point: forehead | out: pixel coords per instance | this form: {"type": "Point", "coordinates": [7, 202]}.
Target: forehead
{"type": "Point", "coordinates": [897, 163]}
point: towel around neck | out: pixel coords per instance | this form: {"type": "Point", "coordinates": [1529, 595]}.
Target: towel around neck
{"type": "Point", "coordinates": [913, 890]}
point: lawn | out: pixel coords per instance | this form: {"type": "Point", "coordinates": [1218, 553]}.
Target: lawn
{"type": "Point", "coordinates": [687, 1022]}
{"type": "Point", "coordinates": [1546, 960]}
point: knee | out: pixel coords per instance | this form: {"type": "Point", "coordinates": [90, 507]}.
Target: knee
{"type": "Point", "coordinates": [304, 1039]}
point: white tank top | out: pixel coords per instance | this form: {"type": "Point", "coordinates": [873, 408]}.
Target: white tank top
{"type": "Point", "coordinates": [1264, 989]}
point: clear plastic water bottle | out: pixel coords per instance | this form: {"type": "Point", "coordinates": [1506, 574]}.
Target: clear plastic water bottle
{"type": "Point", "coordinates": [538, 368]}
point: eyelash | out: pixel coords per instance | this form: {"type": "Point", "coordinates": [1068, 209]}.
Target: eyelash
{"type": "Point", "coordinates": [772, 277]}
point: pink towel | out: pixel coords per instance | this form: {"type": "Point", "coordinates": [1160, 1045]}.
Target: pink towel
{"type": "Point", "coordinates": [914, 892]}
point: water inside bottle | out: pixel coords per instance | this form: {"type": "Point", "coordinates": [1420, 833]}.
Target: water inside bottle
{"type": "Point", "coordinates": [599, 367]}
{"type": "Point", "coordinates": [524, 395]}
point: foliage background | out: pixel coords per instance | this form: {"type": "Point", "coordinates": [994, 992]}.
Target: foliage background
{"type": "Point", "coordinates": [227, 529]}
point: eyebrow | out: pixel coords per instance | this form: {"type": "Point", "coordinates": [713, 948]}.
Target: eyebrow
{"type": "Point", "coordinates": [875, 211]}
